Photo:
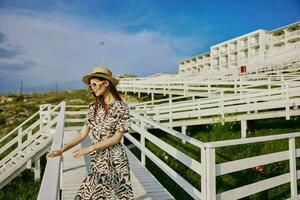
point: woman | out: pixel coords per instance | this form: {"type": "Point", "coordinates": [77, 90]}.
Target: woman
{"type": "Point", "coordinates": [108, 119]}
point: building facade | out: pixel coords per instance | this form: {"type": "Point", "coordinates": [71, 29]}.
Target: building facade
{"type": "Point", "coordinates": [260, 47]}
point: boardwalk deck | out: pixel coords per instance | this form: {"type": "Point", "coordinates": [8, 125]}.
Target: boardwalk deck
{"type": "Point", "coordinates": [145, 186]}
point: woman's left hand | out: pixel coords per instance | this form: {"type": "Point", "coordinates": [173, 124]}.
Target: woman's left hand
{"type": "Point", "coordinates": [79, 152]}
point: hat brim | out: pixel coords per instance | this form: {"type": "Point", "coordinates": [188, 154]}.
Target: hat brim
{"type": "Point", "coordinates": [87, 78]}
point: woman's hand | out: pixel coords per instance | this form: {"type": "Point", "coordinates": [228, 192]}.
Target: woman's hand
{"type": "Point", "coordinates": [55, 153]}
{"type": "Point", "coordinates": [79, 152]}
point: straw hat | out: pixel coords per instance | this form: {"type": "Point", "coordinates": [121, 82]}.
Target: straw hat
{"type": "Point", "coordinates": [101, 72]}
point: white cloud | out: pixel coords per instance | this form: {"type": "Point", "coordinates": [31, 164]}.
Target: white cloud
{"type": "Point", "coordinates": [64, 49]}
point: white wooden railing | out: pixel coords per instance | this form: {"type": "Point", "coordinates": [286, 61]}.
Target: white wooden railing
{"type": "Point", "coordinates": [294, 81]}
{"type": "Point", "coordinates": [227, 108]}
{"type": "Point", "coordinates": [197, 86]}
{"type": "Point", "coordinates": [50, 186]}
{"type": "Point", "coordinates": [26, 144]}
{"type": "Point", "coordinates": [209, 170]}
{"type": "Point", "coordinates": [206, 166]}
{"type": "Point", "coordinates": [214, 170]}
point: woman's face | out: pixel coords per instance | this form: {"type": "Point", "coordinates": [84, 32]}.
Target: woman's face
{"type": "Point", "coordinates": [99, 87]}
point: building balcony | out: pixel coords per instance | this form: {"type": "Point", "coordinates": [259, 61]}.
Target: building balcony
{"type": "Point", "coordinates": [225, 66]}
{"type": "Point", "coordinates": [242, 57]}
{"type": "Point", "coordinates": [255, 54]}
{"type": "Point", "coordinates": [206, 60]}
{"type": "Point", "coordinates": [254, 41]}
{"type": "Point", "coordinates": [233, 47]}
{"type": "Point", "coordinates": [223, 50]}
{"type": "Point", "coordinates": [224, 60]}
{"type": "Point", "coordinates": [234, 63]}
{"type": "Point", "coordinates": [278, 39]}
{"type": "Point", "coordinates": [293, 35]}
{"type": "Point", "coordinates": [215, 63]}
{"type": "Point", "coordinates": [243, 45]}
{"type": "Point", "coordinates": [233, 58]}
{"type": "Point", "coordinates": [215, 53]}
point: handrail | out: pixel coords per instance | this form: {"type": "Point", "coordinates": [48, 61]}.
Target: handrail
{"type": "Point", "coordinates": [10, 143]}
{"type": "Point", "coordinates": [50, 186]}
{"type": "Point", "coordinates": [251, 140]}
{"type": "Point", "coordinates": [194, 105]}
{"type": "Point", "coordinates": [22, 124]}
{"type": "Point", "coordinates": [225, 90]}
{"type": "Point", "coordinates": [27, 142]}
{"type": "Point", "coordinates": [168, 130]}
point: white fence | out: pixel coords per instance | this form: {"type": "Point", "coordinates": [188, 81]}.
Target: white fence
{"type": "Point", "coordinates": [187, 86]}
{"type": "Point", "coordinates": [25, 144]}
{"type": "Point", "coordinates": [206, 166]}
{"type": "Point", "coordinates": [215, 170]}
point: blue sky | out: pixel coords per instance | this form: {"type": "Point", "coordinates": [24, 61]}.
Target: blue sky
{"type": "Point", "coordinates": [47, 42]}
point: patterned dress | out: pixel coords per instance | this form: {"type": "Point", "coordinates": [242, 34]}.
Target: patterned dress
{"type": "Point", "coordinates": [109, 170]}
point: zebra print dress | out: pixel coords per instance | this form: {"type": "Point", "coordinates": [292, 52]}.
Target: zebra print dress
{"type": "Point", "coordinates": [109, 171]}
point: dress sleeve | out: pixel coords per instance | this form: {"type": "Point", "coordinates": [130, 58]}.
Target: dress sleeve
{"type": "Point", "coordinates": [124, 122]}
{"type": "Point", "coordinates": [89, 119]}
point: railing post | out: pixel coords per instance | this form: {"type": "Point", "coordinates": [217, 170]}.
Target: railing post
{"type": "Point", "coordinates": [152, 97]}
{"type": "Point", "coordinates": [170, 111]}
{"type": "Point", "coordinates": [143, 157]}
{"type": "Point", "coordinates": [48, 113]}
{"type": "Point", "coordinates": [204, 173]}
{"type": "Point", "coordinates": [29, 133]}
{"type": "Point", "coordinates": [243, 128]}
{"type": "Point", "coordinates": [199, 109]}
{"type": "Point", "coordinates": [293, 169]}
{"type": "Point", "coordinates": [185, 87]}
{"type": "Point", "coordinates": [37, 170]}
{"type": "Point", "coordinates": [45, 115]}
{"type": "Point", "coordinates": [287, 103]}
{"type": "Point", "coordinates": [222, 107]}
{"type": "Point", "coordinates": [183, 130]}
{"type": "Point", "coordinates": [194, 107]}
{"type": "Point", "coordinates": [269, 85]}
{"type": "Point", "coordinates": [209, 89]}
{"type": "Point", "coordinates": [211, 174]}
{"type": "Point", "coordinates": [148, 88]}
{"type": "Point", "coordinates": [20, 131]}
{"type": "Point", "coordinates": [248, 104]}
{"type": "Point", "coordinates": [41, 115]}
{"type": "Point", "coordinates": [282, 91]}
{"type": "Point", "coordinates": [235, 86]}
{"type": "Point", "coordinates": [61, 172]}
{"type": "Point", "coordinates": [157, 113]}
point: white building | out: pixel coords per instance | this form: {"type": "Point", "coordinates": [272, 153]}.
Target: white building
{"type": "Point", "coordinates": [258, 48]}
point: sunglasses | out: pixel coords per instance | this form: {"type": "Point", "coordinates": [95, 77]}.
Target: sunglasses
{"type": "Point", "coordinates": [95, 85]}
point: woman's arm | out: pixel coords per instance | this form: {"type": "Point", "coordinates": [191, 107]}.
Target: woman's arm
{"type": "Point", "coordinates": [115, 139]}
{"type": "Point", "coordinates": [76, 140]}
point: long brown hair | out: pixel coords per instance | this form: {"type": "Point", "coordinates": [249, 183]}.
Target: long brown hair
{"type": "Point", "coordinates": [99, 100]}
